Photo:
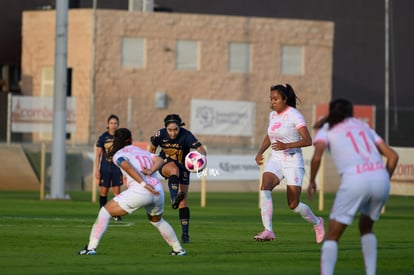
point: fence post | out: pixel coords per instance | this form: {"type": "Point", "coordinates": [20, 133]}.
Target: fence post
{"type": "Point", "coordinates": [203, 185]}
{"type": "Point", "coordinates": [93, 178]}
{"type": "Point", "coordinates": [42, 170]}
{"type": "Point", "coordinates": [203, 190]}
{"type": "Point", "coordinates": [321, 184]}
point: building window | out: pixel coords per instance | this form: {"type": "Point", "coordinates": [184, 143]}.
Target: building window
{"type": "Point", "coordinates": [132, 55]}
{"type": "Point", "coordinates": [239, 57]}
{"type": "Point", "coordinates": [292, 60]}
{"type": "Point", "coordinates": [47, 81]}
{"type": "Point", "coordinates": [187, 55]}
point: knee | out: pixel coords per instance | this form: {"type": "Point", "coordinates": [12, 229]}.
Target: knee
{"type": "Point", "coordinates": [173, 169]}
{"type": "Point", "coordinates": [365, 225]}
{"type": "Point", "coordinates": [155, 218]}
{"type": "Point", "coordinates": [269, 182]}
{"type": "Point", "coordinates": [293, 205]}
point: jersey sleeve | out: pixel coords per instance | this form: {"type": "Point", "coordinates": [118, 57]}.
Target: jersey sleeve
{"type": "Point", "coordinates": [119, 157]}
{"type": "Point", "coordinates": [299, 120]}
{"type": "Point", "coordinates": [375, 136]}
{"type": "Point", "coordinates": [322, 135]}
{"type": "Point", "coordinates": [100, 141]}
{"type": "Point", "coordinates": [192, 140]}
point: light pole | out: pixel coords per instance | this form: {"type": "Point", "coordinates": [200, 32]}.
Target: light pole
{"type": "Point", "coordinates": [387, 71]}
{"type": "Point", "coordinates": [57, 188]}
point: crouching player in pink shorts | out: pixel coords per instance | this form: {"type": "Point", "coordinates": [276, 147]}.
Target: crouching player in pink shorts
{"type": "Point", "coordinates": [144, 191]}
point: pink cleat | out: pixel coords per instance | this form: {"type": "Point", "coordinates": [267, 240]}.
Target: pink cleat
{"type": "Point", "coordinates": [265, 236]}
{"type": "Point", "coordinates": [319, 230]}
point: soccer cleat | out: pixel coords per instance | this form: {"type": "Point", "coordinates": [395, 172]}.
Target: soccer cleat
{"type": "Point", "coordinates": [319, 230]}
{"type": "Point", "coordinates": [265, 236]}
{"type": "Point", "coordinates": [117, 218]}
{"type": "Point", "coordinates": [87, 251]}
{"type": "Point", "coordinates": [178, 253]}
{"type": "Point", "coordinates": [178, 199]}
{"type": "Point", "coordinates": [185, 238]}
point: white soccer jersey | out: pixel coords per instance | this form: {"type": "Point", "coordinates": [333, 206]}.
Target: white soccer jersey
{"type": "Point", "coordinates": [353, 146]}
{"type": "Point", "coordinates": [284, 127]}
{"type": "Point", "coordinates": [139, 159]}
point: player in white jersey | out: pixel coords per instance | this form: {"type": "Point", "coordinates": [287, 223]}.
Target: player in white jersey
{"type": "Point", "coordinates": [286, 134]}
{"type": "Point", "coordinates": [365, 180]}
{"type": "Point", "coordinates": [144, 191]}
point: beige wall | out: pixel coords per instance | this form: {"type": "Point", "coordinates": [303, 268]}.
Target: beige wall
{"type": "Point", "coordinates": [114, 85]}
{"type": "Point", "coordinates": [38, 51]}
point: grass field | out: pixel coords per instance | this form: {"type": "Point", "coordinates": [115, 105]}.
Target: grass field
{"type": "Point", "coordinates": [43, 237]}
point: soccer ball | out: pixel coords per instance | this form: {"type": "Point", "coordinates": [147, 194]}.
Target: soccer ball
{"type": "Point", "coordinates": [195, 162]}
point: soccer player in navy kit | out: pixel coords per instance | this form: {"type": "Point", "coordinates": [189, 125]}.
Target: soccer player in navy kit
{"type": "Point", "coordinates": [175, 143]}
{"type": "Point", "coordinates": [107, 173]}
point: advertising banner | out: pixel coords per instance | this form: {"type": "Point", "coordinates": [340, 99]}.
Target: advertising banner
{"type": "Point", "coordinates": [35, 114]}
{"type": "Point", "coordinates": [229, 168]}
{"type": "Point", "coordinates": [225, 118]}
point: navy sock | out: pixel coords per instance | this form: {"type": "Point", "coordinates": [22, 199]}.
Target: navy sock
{"type": "Point", "coordinates": [184, 214]}
{"type": "Point", "coordinates": [102, 201]}
{"type": "Point", "coordinates": [173, 186]}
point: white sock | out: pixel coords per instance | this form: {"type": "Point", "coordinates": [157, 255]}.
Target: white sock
{"type": "Point", "coordinates": [369, 251]}
{"type": "Point", "coordinates": [266, 207]}
{"type": "Point", "coordinates": [329, 256]}
{"type": "Point", "coordinates": [306, 213]}
{"type": "Point", "coordinates": [168, 233]}
{"type": "Point", "coordinates": [99, 228]}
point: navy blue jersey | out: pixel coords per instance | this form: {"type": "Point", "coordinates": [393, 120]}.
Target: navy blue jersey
{"type": "Point", "coordinates": [105, 142]}
{"type": "Point", "coordinates": [175, 149]}
{"type": "Point", "coordinates": [110, 173]}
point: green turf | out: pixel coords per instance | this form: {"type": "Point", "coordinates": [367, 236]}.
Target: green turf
{"type": "Point", "coordinates": [42, 237]}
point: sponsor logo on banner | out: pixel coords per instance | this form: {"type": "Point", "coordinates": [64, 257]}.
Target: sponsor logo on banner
{"type": "Point", "coordinates": [218, 117]}
{"type": "Point", "coordinates": [35, 114]}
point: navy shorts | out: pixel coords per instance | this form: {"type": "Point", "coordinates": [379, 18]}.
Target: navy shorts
{"type": "Point", "coordinates": [111, 175]}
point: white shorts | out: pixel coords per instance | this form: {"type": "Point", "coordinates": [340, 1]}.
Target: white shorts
{"type": "Point", "coordinates": [137, 197]}
{"type": "Point", "coordinates": [366, 193]}
{"type": "Point", "coordinates": [294, 175]}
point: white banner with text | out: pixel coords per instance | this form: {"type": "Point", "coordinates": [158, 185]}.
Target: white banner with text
{"type": "Point", "coordinates": [225, 118]}
{"type": "Point", "coordinates": [35, 114]}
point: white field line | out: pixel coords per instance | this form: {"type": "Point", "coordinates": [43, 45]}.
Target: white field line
{"type": "Point", "coordinates": [55, 222]}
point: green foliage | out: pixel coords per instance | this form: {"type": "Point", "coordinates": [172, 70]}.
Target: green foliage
{"type": "Point", "coordinates": [43, 237]}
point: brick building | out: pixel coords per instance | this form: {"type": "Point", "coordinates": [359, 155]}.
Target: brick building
{"type": "Point", "coordinates": [161, 40]}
